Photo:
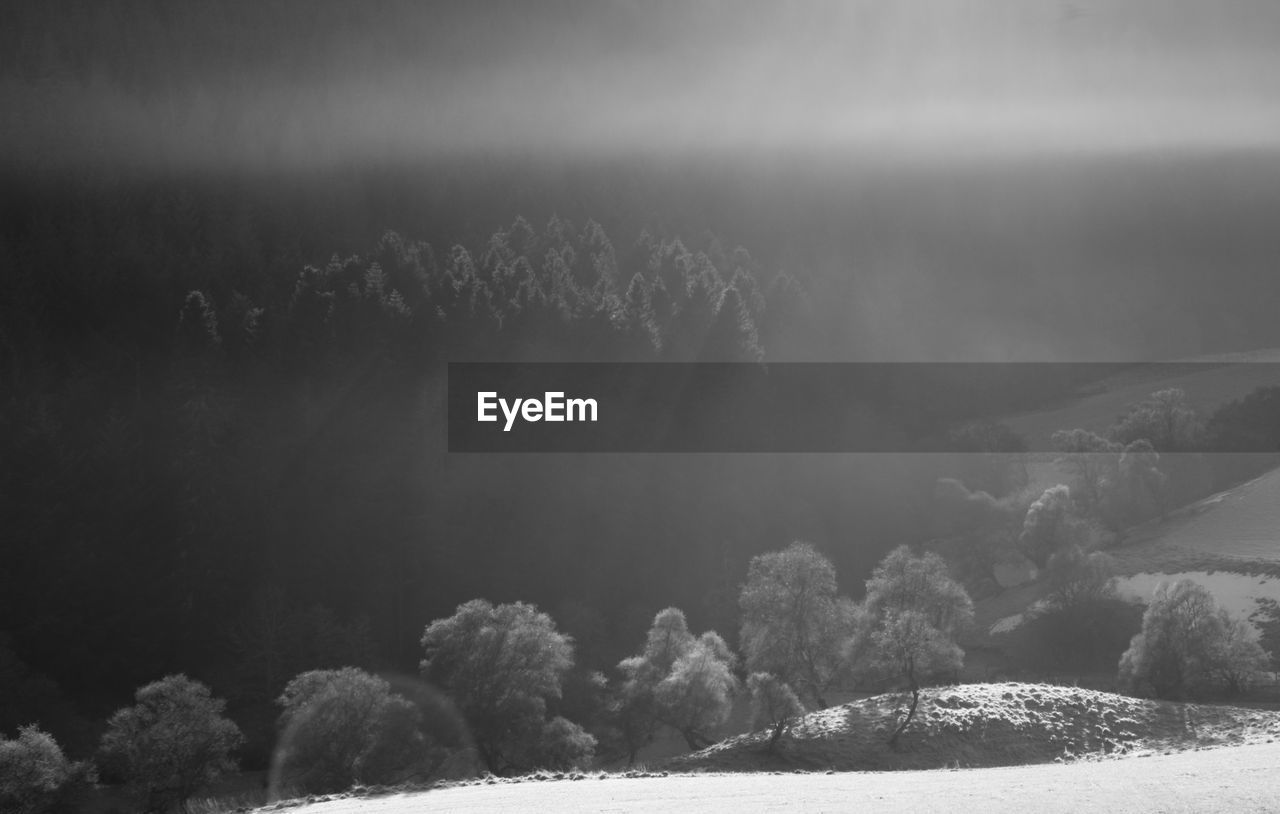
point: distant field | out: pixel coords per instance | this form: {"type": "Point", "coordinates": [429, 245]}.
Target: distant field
{"type": "Point", "coordinates": [1206, 389]}
{"type": "Point", "coordinates": [1239, 527]}
{"type": "Point", "coordinates": [1230, 779]}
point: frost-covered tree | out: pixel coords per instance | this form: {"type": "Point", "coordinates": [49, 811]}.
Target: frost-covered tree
{"type": "Point", "coordinates": [1137, 491]}
{"type": "Point", "coordinates": [1187, 643]}
{"type": "Point", "coordinates": [1089, 461]}
{"type": "Point", "coordinates": [1076, 578]}
{"type": "Point", "coordinates": [1164, 419]}
{"type": "Point", "coordinates": [172, 742]}
{"type": "Point", "coordinates": [697, 695]}
{"type": "Point", "coordinates": [794, 622]}
{"type": "Point", "coordinates": [916, 611]}
{"type": "Point", "coordinates": [904, 582]}
{"type": "Point", "coordinates": [1241, 657]}
{"type": "Point", "coordinates": [635, 704]}
{"type": "Point", "coordinates": [1119, 483]}
{"type": "Point", "coordinates": [501, 665]}
{"type": "Point", "coordinates": [341, 727]}
{"type": "Point", "coordinates": [1051, 525]}
{"type": "Point", "coordinates": [678, 680]}
{"type": "Point", "coordinates": [907, 646]}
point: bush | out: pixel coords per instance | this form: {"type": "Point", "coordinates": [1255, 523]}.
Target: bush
{"type": "Point", "coordinates": [342, 727]}
{"type": "Point", "coordinates": [774, 706]}
{"type": "Point", "coordinates": [563, 745]}
{"type": "Point", "coordinates": [172, 742]}
{"type": "Point", "coordinates": [36, 778]}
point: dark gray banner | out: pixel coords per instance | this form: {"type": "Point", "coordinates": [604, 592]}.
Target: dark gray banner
{"type": "Point", "coordinates": [786, 407]}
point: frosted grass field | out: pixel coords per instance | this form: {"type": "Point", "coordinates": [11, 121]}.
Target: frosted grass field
{"type": "Point", "coordinates": [1229, 779]}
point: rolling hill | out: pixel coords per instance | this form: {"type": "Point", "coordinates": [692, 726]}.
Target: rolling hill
{"type": "Point", "coordinates": [994, 726]}
{"type": "Point", "coordinates": [977, 725]}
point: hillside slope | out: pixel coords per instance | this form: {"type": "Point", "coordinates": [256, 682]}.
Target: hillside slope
{"type": "Point", "coordinates": [974, 725]}
{"type": "Point", "coordinates": [1209, 382]}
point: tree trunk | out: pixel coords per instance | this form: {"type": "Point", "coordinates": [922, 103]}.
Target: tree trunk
{"type": "Point", "coordinates": [915, 700]}
{"type": "Point", "coordinates": [778, 729]}
{"type": "Point", "coordinates": [814, 683]}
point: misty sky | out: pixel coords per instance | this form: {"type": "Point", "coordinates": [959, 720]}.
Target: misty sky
{"type": "Point", "coordinates": [315, 83]}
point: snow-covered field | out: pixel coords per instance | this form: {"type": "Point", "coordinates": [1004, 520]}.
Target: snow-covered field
{"type": "Point", "coordinates": [1241, 524]}
{"type": "Point", "coordinates": [1229, 779]}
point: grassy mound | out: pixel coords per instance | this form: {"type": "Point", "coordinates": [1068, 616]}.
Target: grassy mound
{"type": "Point", "coordinates": [976, 725]}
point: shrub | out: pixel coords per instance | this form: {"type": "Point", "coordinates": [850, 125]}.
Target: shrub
{"type": "Point", "coordinates": [36, 778]}
{"type": "Point", "coordinates": [342, 727]}
{"type": "Point", "coordinates": [172, 742]}
{"type": "Point", "coordinates": [562, 745]}
{"type": "Point", "coordinates": [774, 706]}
